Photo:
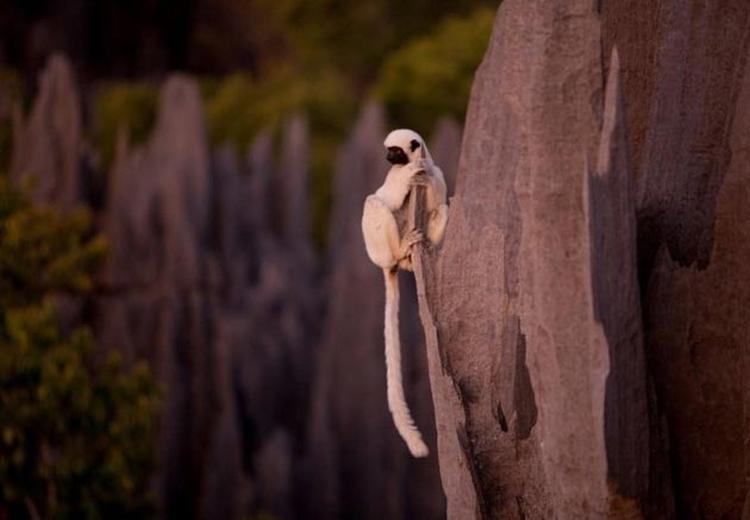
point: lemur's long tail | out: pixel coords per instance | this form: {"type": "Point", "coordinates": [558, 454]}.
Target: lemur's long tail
{"type": "Point", "coordinates": [396, 401]}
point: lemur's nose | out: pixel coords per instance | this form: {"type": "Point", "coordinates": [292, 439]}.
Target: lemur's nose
{"type": "Point", "coordinates": [396, 155]}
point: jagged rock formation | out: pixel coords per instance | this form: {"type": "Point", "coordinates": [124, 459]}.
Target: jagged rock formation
{"type": "Point", "coordinates": [350, 423]}
{"type": "Point", "coordinates": [159, 301]}
{"type": "Point", "coordinates": [689, 108]}
{"type": "Point", "coordinates": [47, 151]}
{"type": "Point", "coordinates": [590, 349]}
{"type": "Point", "coordinates": [218, 304]}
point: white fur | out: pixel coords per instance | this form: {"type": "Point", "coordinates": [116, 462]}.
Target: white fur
{"type": "Point", "coordinates": [395, 388]}
{"type": "Point", "coordinates": [387, 249]}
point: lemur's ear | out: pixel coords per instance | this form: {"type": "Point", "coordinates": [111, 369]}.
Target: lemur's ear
{"type": "Point", "coordinates": [414, 144]}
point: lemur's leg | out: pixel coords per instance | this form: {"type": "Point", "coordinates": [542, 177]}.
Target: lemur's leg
{"type": "Point", "coordinates": [436, 225]}
{"type": "Point", "coordinates": [412, 237]}
{"type": "Point", "coordinates": [384, 246]}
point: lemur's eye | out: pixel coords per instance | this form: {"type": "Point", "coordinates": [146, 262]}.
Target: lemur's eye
{"type": "Point", "coordinates": [414, 144]}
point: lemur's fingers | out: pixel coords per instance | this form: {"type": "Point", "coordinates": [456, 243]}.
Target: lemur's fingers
{"type": "Point", "coordinates": [419, 179]}
{"type": "Point", "coordinates": [417, 166]}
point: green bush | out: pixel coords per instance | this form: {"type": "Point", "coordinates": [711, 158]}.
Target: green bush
{"type": "Point", "coordinates": [126, 107]}
{"type": "Point", "coordinates": [432, 75]}
{"type": "Point", "coordinates": [353, 36]}
{"type": "Point", "coordinates": [237, 107]}
{"type": "Point", "coordinates": [76, 432]}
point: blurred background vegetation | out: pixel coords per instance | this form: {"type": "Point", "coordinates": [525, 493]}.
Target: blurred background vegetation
{"type": "Point", "coordinates": [76, 429]}
{"type": "Point", "coordinates": [258, 62]}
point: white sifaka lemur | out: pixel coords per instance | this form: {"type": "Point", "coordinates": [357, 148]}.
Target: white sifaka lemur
{"type": "Point", "coordinates": [389, 246]}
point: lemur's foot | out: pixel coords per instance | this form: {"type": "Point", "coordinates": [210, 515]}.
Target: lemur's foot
{"type": "Point", "coordinates": [413, 237]}
{"type": "Point", "coordinates": [407, 242]}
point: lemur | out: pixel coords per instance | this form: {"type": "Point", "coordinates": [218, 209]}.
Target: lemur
{"type": "Point", "coordinates": [389, 245]}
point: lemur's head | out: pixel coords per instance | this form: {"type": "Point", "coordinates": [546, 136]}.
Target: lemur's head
{"type": "Point", "coordinates": [403, 146]}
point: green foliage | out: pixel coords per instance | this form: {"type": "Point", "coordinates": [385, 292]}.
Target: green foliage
{"type": "Point", "coordinates": [76, 432]}
{"type": "Point", "coordinates": [432, 75]}
{"type": "Point", "coordinates": [355, 36]}
{"type": "Point", "coordinates": [237, 107]}
{"type": "Point", "coordinates": [122, 107]}
{"type": "Point", "coordinates": [43, 251]}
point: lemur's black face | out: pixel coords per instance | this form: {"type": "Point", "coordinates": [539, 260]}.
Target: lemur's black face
{"type": "Point", "coordinates": [396, 155]}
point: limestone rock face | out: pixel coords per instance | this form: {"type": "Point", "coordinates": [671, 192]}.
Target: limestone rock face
{"type": "Point", "coordinates": [686, 88]}
{"type": "Point", "coordinates": [445, 147]}
{"type": "Point", "coordinates": [48, 147]}
{"type": "Point", "coordinates": [524, 362]}
{"type": "Point", "coordinates": [588, 294]}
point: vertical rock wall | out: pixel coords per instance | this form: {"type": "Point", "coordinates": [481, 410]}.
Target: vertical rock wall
{"type": "Point", "coordinates": [688, 86]}
{"type": "Point", "coordinates": [590, 296]}
{"type": "Point", "coordinates": [445, 147]}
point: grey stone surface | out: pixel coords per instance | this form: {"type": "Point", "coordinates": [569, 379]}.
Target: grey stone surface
{"type": "Point", "coordinates": [588, 294]}
{"type": "Point", "coordinates": [698, 335]}
{"type": "Point", "coordinates": [685, 86]}
{"type": "Point", "coordinates": [445, 147]}
{"type": "Point", "coordinates": [517, 439]}
{"type": "Point", "coordinates": [683, 65]}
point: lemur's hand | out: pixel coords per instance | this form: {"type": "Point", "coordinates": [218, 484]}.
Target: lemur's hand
{"type": "Point", "coordinates": [420, 164]}
{"type": "Point", "coordinates": [420, 178]}
{"type": "Point", "coordinates": [416, 166]}
{"type": "Point", "coordinates": [418, 172]}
